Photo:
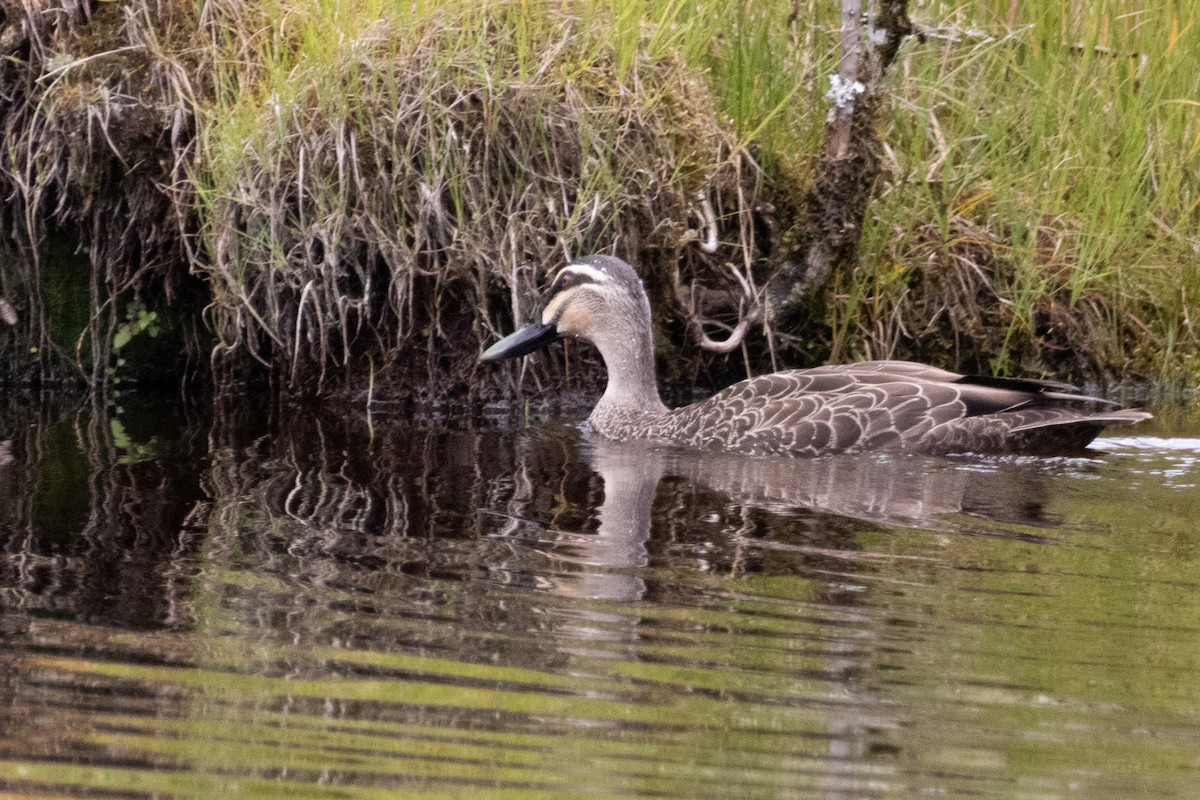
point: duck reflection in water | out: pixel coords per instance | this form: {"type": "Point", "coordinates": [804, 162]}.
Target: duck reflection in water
{"type": "Point", "coordinates": [841, 495]}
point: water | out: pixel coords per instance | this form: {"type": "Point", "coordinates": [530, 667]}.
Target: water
{"type": "Point", "coordinates": [237, 602]}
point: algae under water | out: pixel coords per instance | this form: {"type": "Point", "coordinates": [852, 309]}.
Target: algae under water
{"type": "Point", "coordinates": [239, 602]}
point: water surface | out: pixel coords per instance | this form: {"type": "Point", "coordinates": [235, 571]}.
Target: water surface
{"type": "Point", "coordinates": [227, 601]}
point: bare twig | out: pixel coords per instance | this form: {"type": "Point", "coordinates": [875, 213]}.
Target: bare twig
{"type": "Point", "coordinates": [687, 298]}
{"type": "Point", "coordinates": [844, 84]}
{"type": "Point", "coordinates": [710, 243]}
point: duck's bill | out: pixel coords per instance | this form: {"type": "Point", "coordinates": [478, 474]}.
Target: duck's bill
{"type": "Point", "coordinates": [522, 342]}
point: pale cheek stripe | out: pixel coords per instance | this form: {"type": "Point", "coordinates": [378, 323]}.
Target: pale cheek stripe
{"type": "Point", "coordinates": [551, 310]}
{"type": "Point", "coordinates": [584, 269]}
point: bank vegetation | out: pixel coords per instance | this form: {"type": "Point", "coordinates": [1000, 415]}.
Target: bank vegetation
{"type": "Point", "coordinates": [343, 195]}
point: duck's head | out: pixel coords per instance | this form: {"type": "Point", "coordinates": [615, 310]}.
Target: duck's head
{"type": "Point", "coordinates": [596, 298]}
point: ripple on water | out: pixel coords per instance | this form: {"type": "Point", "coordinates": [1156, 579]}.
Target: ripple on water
{"type": "Point", "coordinates": [308, 607]}
{"type": "Point", "coordinates": [1176, 459]}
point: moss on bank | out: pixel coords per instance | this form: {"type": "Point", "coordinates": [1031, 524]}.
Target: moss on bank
{"type": "Point", "coordinates": [333, 191]}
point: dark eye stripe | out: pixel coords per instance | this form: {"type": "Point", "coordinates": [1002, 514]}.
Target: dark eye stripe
{"type": "Point", "coordinates": [567, 279]}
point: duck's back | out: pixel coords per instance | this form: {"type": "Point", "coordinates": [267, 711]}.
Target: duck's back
{"type": "Point", "coordinates": [887, 406]}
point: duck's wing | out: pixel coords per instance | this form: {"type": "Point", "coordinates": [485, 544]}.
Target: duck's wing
{"type": "Point", "coordinates": [818, 411]}
{"type": "Point", "coordinates": [891, 405]}
{"type": "Point", "coordinates": [979, 391]}
{"type": "Point", "coordinates": [876, 371]}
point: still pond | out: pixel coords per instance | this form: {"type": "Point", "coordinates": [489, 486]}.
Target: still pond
{"type": "Point", "coordinates": [229, 601]}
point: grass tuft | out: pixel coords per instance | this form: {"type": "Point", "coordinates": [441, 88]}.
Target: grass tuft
{"type": "Point", "coordinates": [1043, 206]}
{"type": "Point", "coordinates": [391, 166]}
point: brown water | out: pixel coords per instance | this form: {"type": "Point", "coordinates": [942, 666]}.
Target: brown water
{"type": "Point", "coordinates": [244, 603]}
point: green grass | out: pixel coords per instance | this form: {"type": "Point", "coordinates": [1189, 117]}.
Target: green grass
{"type": "Point", "coordinates": [374, 182]}
{"type": "Point", "coordinates": [1070, 136]}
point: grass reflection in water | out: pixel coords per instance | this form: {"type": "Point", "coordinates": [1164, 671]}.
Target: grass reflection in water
{"type": "Point", "coordinates": [201, 607]}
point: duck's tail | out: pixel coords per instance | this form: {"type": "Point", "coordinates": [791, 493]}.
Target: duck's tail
{"type": "Point", "coordinates": [1065, 429]}
{"type": "Point", "coordinates": [1041, 430]}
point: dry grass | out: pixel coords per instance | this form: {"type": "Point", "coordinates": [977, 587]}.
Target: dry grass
{"type": "Point", "coordinates": [363, 193]}
{"type": "Point", "coordinates": [356, 184]}
{"type": "Point", "coordinates": [96, 133]}
{"type": "Point", "coordinates": [371, 188]}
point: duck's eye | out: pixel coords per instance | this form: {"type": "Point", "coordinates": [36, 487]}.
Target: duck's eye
{"type": "Point", "coordinates": [568, 279]}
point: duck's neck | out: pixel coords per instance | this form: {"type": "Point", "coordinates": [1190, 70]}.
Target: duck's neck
{"type": "Point", "coordinates": [631, 384]}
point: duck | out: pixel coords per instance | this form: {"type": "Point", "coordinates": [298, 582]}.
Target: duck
{"type": "Point", "coordinates": [863, 407]}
